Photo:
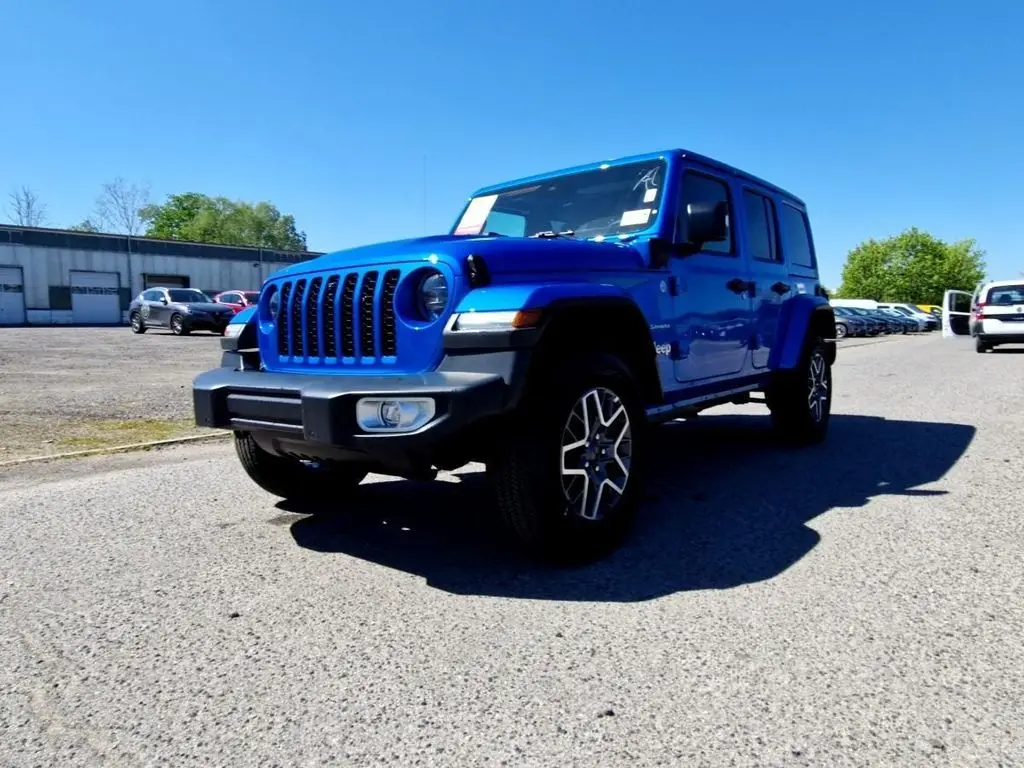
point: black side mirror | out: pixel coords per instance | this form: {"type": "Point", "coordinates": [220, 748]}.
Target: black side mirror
{"type": "Point", "coordinates": [163, 299]}
{"type": "Point", "coordinates": [706, 223]}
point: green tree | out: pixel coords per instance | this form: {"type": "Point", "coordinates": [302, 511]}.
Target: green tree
{"type": "Point", "coordinates": [84, 226]}
{"type": "Point", "coordinates": [913, 267]}
{"type": "Point", "coordinates": [201, 218]}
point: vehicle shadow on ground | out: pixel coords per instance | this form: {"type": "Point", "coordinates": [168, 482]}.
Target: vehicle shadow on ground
{"type": "Point", "coordinates": [727, 506]}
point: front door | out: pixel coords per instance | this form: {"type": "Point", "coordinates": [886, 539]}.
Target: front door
{"type": "Point", "coordinates": [712, 300]}
{"type": "Point", "coordinates": [956, 313]}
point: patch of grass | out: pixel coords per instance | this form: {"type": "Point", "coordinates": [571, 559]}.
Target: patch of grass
{"type": "Point", "coordinates": [88, 434]}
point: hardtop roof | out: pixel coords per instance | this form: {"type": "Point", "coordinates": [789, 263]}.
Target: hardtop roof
{"type": "Point", "coordinates": [682, 153]}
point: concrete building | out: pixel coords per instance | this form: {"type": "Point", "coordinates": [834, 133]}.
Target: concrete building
{"type": "Point", "coordinates": [56, 276]}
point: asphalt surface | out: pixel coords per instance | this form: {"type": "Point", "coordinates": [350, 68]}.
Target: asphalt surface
{"type": "Point", "coordinates": [857, 603]}
{"type": "Point", "coordinates": [53, 380]}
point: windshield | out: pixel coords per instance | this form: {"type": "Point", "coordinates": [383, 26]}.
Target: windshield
{"type": "Point", "coordinates": [187, 295]}
{"type": "Point", "coordinates": [606, 202]}
{"type": "Point", "coordinates": [1006, 294]}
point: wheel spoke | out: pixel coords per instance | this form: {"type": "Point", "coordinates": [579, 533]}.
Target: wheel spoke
{"type": "Point", "coordinates": [595, 461]}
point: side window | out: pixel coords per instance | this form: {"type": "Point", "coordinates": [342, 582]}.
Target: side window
{"type": "Point", "coordinates": [152, 295]}
{"type": "Point", "coordinates": [761, 226]}
{"type": "Point", "coordinates": [699, 188]}
{"type": "Point", "coordinates": [797, 238]}
{"type": "Point", "coordinates": [230, 298]}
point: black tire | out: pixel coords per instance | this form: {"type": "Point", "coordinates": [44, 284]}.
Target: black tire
{"type": "Point", "coordinates": [539, 504]}
{"type": "Point", "coordinates": [137, 323]}
{"type": "Point", "coordinates": [980, 346]}
{"type": "Point", "coordinates": [795, 419]}
{"type": "Point", "coordinates": [178, 325]}
{"type": "Point", "coordinates": [292, 479]}
{"type": "Point", "coordinates": [841, 331]}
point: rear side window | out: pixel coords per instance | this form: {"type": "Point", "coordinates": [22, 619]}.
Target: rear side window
{"type": "Point", "coordinates": [796, 236]}
{"type": "Point", "coordinates": [1006, 294]}
{"type": "Point", "coordinates": [761, 226]}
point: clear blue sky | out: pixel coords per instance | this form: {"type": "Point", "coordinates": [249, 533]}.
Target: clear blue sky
{"type": "Point", "coordinates": [881, 115]}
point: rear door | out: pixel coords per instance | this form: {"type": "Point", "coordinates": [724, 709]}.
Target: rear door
{"type": "Point", "coordinates": [956, 313]}
{"type": "Point", "coordinates": [1001, 310]}
{"type": "Point", "coordinates": [768, 270]}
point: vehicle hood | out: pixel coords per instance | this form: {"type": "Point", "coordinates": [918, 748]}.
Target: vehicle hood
{"type": "Point", "coordinates": [202, 306]}
{"type": "Point", "coordinates": [501, 254]}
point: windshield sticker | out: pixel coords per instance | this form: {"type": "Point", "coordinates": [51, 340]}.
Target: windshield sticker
{"type": "Point", "coordinates": [650, 194]}
{"type": "Point", "coordinates": [475, 217]}
{"type": "Point", "coordinates": [632, 218]}
{"type": "Point", "coordinates": [648, 179]}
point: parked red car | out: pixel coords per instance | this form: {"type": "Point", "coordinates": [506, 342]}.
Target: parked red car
{"type": "Point", "coordinates": [237, 300]}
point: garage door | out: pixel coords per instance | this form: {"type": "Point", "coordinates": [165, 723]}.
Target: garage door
{"type": "Point", "coordinates": [12, 296]}
{"type": "Point", "coordinates": [94, 298]}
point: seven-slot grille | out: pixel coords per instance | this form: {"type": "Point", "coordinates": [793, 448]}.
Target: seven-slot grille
{"type": "Point", "coordinates": [346, 316]}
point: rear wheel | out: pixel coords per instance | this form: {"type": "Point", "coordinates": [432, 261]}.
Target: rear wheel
{"type": "Point", "coordinates": [567, 472]}
{"type": "Point", "coordinates": [293, 479]}
{"type": "Point", "coordinates": [801, 399]}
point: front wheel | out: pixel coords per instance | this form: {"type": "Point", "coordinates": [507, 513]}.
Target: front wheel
{"type": "Point", "coordinates": [137, 324]}
{"type": "Point", "coordinates": [841, 330]}
{"type": "Point", "coordinates": [801, 399]}
{"type": "Point", "coordinates": [178, 325]}
{"type": "Point", "coordinates": [293, 479]}
{"type": "Point", "coordinates": [567, 472]}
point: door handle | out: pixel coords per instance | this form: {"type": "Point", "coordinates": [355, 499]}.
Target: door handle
{"type": "Point", "coordinates": [781, 288]}
{"type": "Point", "coordinates": [737, 285]}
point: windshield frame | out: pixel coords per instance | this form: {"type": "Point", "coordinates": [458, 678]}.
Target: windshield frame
{"type": "Point", "coordinates": [666, 173]}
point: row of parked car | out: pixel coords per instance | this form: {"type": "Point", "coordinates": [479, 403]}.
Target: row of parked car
{"type": "Point", "coordinates": [862, 317]}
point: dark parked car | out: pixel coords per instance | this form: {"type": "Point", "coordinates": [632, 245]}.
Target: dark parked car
{"type": "Point", "coordinates": [906, 323]}
{"type": "Point", "coordinates": [183, 310]}
{"type": "Point", "coordinates": [872, 326]}
{"type": "Point", "coordinates": [848, 324]}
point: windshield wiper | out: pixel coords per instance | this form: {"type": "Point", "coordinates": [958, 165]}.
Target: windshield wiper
{"type": "Point", "coordinates": [567, 233]}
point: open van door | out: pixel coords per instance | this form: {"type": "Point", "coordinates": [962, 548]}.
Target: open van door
{"type": "Point", "coordinates": [956, 313]}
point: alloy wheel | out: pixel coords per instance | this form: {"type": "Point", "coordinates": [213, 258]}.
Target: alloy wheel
{"type": "Point", "coordinates": [817, 384]}
{"type": "Point", "coordinates": [596, 454]}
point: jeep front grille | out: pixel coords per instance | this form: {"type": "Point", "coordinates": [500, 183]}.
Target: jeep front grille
{"type": "Point", "coordinates": [349, 313]}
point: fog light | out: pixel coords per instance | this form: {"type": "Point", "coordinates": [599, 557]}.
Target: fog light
{"type": "Point", "coordinates": [376, 414]}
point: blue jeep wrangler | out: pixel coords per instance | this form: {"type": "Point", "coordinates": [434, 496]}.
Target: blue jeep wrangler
{"type": "Point", "coordinates": [563, 316]}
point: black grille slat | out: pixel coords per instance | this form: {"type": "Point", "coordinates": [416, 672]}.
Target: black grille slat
{"type": "Point", "coordinates": [282, 321]}
{"type": "Point", "coordinates": [367, 334]}
{"type": "Point", "coordinates": [388, 337]}
{"type": "Point", "coordinates": [348, 304]}
{"type": "Point", "coordinates": [312, 305]}
{"type": "Point", "coordinates": [330, 315]}
{"type": "Point", "coordinates": [298, 348]}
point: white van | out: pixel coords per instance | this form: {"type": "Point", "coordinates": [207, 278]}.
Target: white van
{"type": "Point", "coordinates": [998, 314]}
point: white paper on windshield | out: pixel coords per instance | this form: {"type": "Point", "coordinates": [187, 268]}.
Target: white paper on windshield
{"type": "Point", "coordinates": [650, 194]}
{"type": "Point", "coordinates": [632, 218]}
{"type": "Point", "coordinates": [475, 217]}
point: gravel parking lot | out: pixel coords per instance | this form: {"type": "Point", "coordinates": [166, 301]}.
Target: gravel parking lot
{"type": "Point", "coordinates": [857, 603]}
{"type": "Point", "coordinates": [66, 389]}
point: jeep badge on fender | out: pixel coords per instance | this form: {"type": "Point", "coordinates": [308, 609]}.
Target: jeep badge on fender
{"type": "Point", "coordinates": [563, 316]}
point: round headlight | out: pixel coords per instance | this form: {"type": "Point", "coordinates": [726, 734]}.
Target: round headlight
{"type": "Point", "coordinates": [274, 306]}
{"type": "Point", "coordinates": [433, 295]}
